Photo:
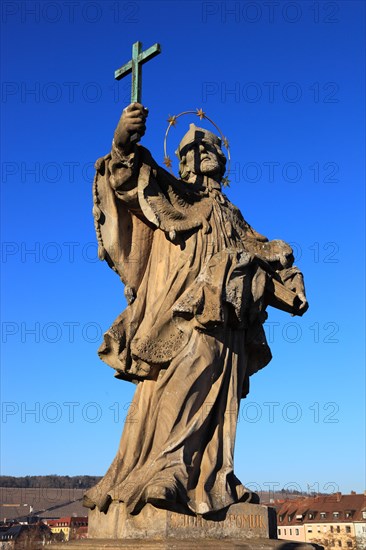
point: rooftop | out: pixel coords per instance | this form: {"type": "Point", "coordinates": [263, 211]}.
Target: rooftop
{"type": "Point", "coordinates": [336, 508]}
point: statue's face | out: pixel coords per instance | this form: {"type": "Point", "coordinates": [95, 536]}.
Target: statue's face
{"type": "Point", "coordinates": [202, 158]}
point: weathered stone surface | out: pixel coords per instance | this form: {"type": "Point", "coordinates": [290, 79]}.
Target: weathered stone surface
{"type": "Point", "coordinates": [198, 279]}
{"type": "Point", "coordinates": [187, 544]}
{"type": "Point", "coordinates": [238, 522]}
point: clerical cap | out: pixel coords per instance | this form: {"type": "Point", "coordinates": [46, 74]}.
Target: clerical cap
{"type": "Point", "coordinates": [197, 134]}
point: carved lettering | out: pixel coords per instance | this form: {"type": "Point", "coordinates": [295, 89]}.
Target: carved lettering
{"type": "Point", "coordinates": [240, 521]}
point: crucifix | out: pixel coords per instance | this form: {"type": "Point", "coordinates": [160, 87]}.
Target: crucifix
{"type": "Point", "coordinates": [134, 66]}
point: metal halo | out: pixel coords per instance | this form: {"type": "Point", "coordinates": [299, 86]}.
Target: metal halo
{"type": "Point", "coordinates": [198, 112]}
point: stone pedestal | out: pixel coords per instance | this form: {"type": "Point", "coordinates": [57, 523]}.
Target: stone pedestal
{"type": "Point", "coordinates": [237, 522]}
{"type": "Point", "coordinates": [187, 544]}
{"type": "Point", "coordinates": [244, 526]}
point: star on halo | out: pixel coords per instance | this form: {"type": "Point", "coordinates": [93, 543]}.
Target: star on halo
{"type": "Point", "coordinates": [167, 162]}
{"type": "Point", "coordinates": [172, 120]}
{"type": "Point", "coordinates": [200, 113]}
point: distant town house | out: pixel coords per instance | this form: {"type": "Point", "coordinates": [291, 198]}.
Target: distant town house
{"type": "Point", "coordinates": [24, 536]}
{"type": "Point", "coordinates": [69, 528]}
{"type": "Point", "coordinates": [334, 521]}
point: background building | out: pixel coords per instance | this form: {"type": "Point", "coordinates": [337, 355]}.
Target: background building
{"type": "Point", "coordinates": [334, 521]}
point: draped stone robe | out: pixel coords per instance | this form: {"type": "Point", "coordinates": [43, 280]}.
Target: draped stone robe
{"type": "Point", "coordinates": [191, 335]}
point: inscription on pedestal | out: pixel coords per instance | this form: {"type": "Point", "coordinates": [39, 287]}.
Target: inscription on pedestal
{"type": "Point", "coordinates": [254, 521]}
{"type": "Point", "coordinates": [240, 521]}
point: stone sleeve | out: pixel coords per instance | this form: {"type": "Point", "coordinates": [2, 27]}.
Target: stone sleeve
{"type": "Point", "coordinates": [123, 169]}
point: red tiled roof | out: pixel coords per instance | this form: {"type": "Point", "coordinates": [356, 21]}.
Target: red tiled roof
{"type": "Point", "coordinates": [328, 504]}
{"type": "Point", "coordinates": [69, 520]}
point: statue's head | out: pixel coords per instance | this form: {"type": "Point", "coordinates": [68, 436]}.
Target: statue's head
{"type": "Point", "coordinates": [200, 153]}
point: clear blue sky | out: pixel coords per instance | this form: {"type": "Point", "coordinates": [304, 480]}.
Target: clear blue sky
{"type": "Point", "coordinates": [286, 83]}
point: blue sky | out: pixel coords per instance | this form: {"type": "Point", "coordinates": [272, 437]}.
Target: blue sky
{"type": "Point", "coordinates": [285, 82]}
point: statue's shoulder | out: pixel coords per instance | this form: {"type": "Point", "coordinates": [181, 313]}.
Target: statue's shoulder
{"type": "Point", "coordinates": [141, 156]}
{"type": "Point", "coordinates": [101, 163]}
{"type": "Point", "coordinates": [248, 231]}
{"type": "Point", "coordinates": [275, 251]}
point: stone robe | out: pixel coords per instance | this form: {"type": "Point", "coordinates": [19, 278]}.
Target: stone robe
{"type": "Point", "coordinates": [195, 280]}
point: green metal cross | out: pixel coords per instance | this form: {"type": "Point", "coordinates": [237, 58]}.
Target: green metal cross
{"type": "Point", "coordinates": [135, 66]}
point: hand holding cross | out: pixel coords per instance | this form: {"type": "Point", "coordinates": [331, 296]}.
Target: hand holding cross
{"type": "Point", "coordinates": [131, 123]}
{"type": "Point", "coordinates": [135, 66]}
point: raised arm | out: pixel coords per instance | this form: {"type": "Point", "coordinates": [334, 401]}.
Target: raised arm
{"type": "Point", "coordinates": [123, 166]}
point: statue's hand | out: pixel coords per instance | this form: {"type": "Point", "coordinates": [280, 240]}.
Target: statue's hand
{"type": "Point", "coordinates": [297, 286]}
{"type": "Point", "coordinates": [131, 122]}
{"type": "Point", "coordinates": [304, 305]}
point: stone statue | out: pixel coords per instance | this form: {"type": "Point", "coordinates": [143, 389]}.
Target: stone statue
{"type": "Point", "coordinates": [198, 279]}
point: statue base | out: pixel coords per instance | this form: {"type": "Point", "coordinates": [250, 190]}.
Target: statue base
{"type": "Point", "coordinates": [187, 544]}
{"type": "Point", "coordinates": [241, 526]}
{"type": "Point", "coordinates": [236, 522]}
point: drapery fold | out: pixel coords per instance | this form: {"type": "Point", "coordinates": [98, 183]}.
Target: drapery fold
{"type": "Point", "coordinates": [190, 337]}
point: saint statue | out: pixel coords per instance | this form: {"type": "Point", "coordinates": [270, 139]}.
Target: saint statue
{"type": "Point", "coordinates": [198, 279]}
